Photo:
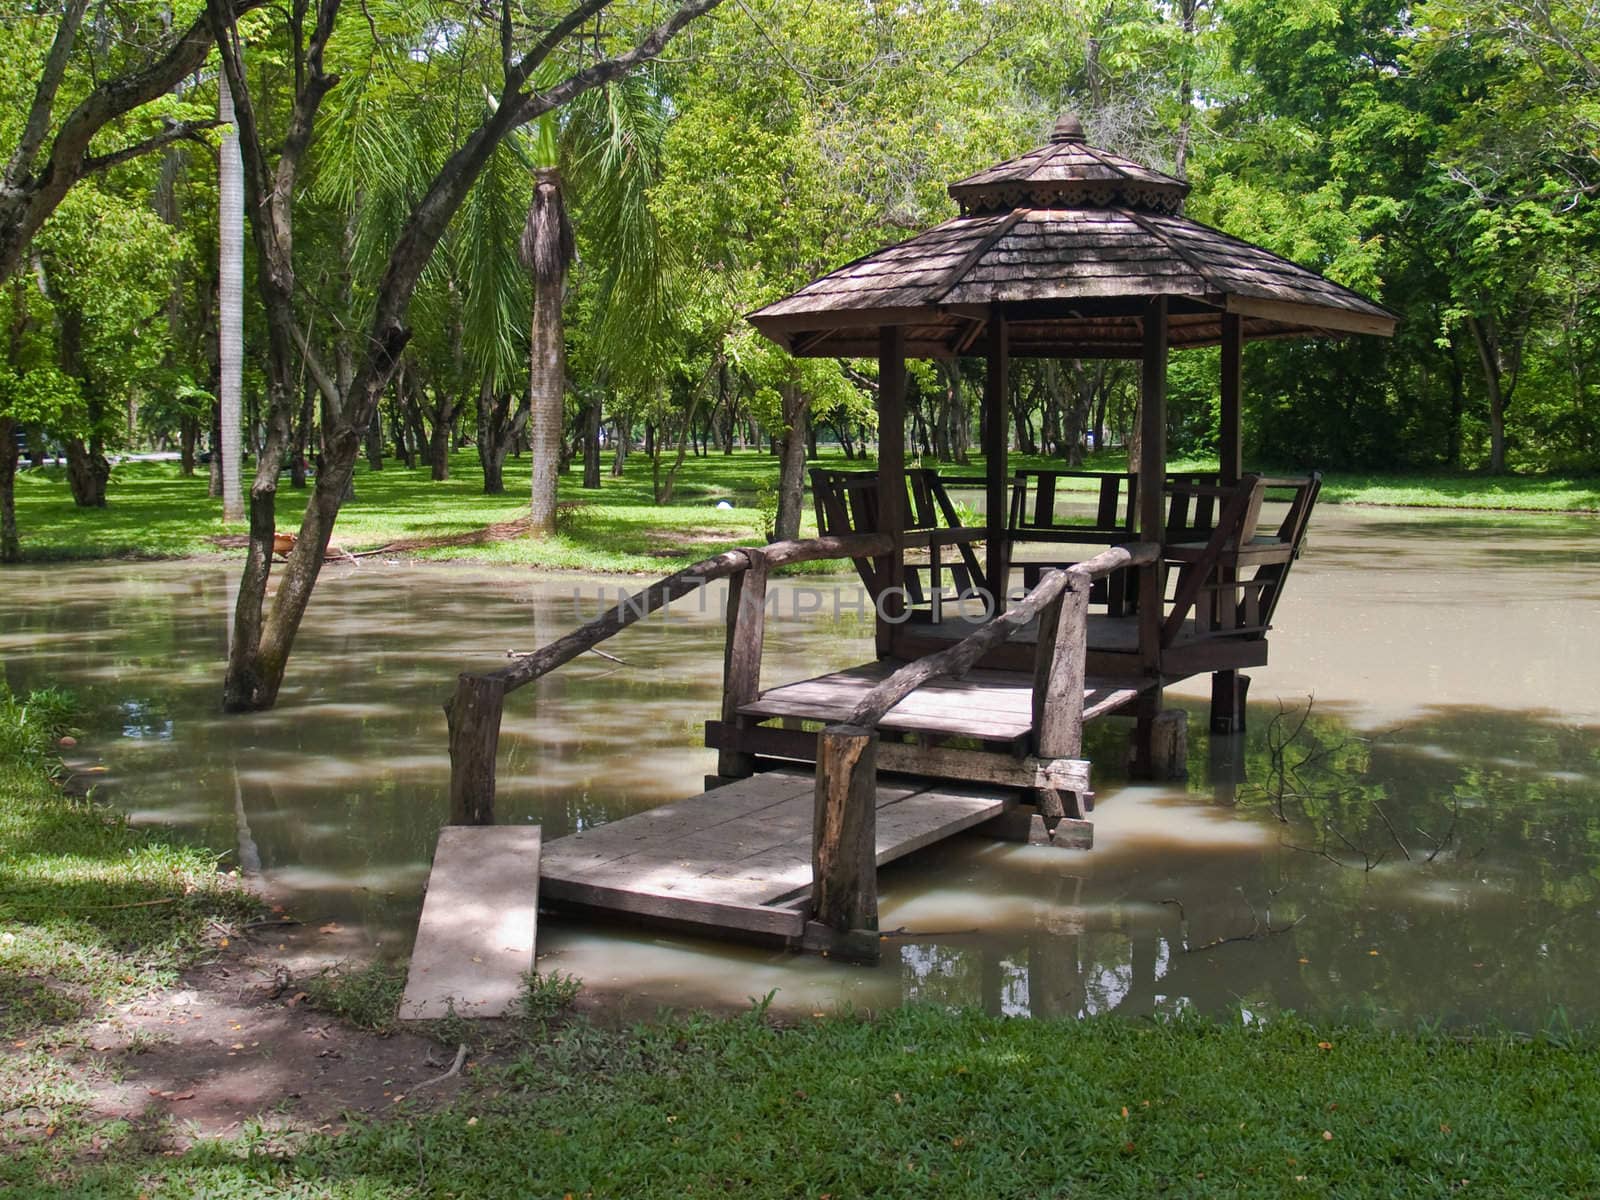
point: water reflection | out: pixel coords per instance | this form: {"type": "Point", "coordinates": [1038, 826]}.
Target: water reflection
{"type": "Point", "coordinates": [1426, 847]}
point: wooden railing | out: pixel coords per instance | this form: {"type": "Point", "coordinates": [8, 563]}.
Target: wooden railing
{"type": "Point", "coordinates": [844, 868]}
{"type": "Point", "coordinates": [474, 711]}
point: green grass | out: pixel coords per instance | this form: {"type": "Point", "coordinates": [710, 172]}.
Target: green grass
{"type": "Point", "coordinates": [92, 911]}
{"type": "Point", "coordinates": [923, 1102]}
{"type": "Point", "coordinates": [154, 512]}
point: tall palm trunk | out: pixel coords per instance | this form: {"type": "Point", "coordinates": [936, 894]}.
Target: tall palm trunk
{"type": "Point", "coordinates": [230, 315]}
{"type": "Point", "coordinates": [547, 251]}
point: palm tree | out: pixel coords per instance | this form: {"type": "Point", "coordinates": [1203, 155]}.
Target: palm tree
{"type": "Point", "coordinates": [547, 251]}
{"type": "Point", "coordinates": [230, 301]}
{"type": "Point", "coordinates": [614, 140]}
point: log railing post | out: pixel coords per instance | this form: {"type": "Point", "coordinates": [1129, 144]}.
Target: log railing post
{"type": "Point", "coordinates": [741, 664]}
{"type": "Point", "coordinates": [1058, 681]}
{"type": "Point", "coordinates": [473, 716]}
{"type": "Point", "coordinates": [1059, 672]}
{"type": "Point", "coordinates": [844, 858]}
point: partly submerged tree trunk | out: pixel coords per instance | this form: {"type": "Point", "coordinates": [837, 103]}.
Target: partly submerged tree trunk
{"type": "Point", "coordinates": [547, 250]}
{"type": "Point", "coordinates": [230, 307]}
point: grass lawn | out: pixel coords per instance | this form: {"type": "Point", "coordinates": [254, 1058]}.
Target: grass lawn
{"type": "Point", "coordinates": [923, 1102]}
{"type": "Point", "coordinates": [154, 512]}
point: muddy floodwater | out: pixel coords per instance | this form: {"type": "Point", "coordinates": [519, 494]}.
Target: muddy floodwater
{"type": "Point", "coordinates": [1419, 841]}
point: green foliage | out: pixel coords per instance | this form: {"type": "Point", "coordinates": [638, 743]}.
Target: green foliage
{"type": "Point", "coordinates": [548, 995]}
{"type": "Point", "coordinates": [30, 725]}
{"type": "Point", "coordinates": [367, 995]}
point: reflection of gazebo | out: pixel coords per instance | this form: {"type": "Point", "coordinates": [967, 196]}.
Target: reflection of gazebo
{"type": "Point", "coordinates": [1071, 251]}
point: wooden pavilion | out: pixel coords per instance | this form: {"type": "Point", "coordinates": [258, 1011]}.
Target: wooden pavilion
{"type": "Point", "coordinates": [975, 721]}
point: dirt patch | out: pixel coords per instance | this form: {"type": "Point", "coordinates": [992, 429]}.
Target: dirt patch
{"type": "Point", "coordinates": [236, 1042]}
{"type": "Point", "coordinates": [501, 531]}
{"type": "Point", "coordinates": [671, 543]}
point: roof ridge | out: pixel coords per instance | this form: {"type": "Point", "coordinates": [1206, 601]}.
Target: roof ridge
{"type": "Point", "coordinates": [1054, 148]}
{"type": "Point", "coordinates": [1172, 246]}
{"type": "Point", "coordinates": [1254, 248]}
{"type": "Point", "coordinates": [1101, 156]}
{"type": "Point", "coordinates": [972, 257]}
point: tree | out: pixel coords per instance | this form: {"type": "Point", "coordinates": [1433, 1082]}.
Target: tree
{"type": "Point", "coordinates": [547, 250]}
{"type": "Point", "coordinates": [230, 302]}
{"type": "Point", "coordinates": [138, 69]}
{"type": "Point", "coordinates": [42, 396]}
{"type": "Point", "coordinates": [262, 640]}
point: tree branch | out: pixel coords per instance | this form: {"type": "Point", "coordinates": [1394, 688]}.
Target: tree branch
{"type": "Point", "coordinates": [606, 70]}
{"type": "Point", "coordinates": [44, 96]}
{"type": "Point", "coordinates": [546, 46]}
{"type": "Point", "coordinates": [177, 132]}
{"type": "Point", "coordinates": [23, 211]}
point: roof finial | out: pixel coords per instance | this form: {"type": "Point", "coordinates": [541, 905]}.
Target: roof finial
{"type": "Point", "coordinates": [1068, 129]}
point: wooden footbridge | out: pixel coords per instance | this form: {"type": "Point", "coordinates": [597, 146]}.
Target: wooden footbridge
{"type": "Point", "coordinates": [1096, 591]}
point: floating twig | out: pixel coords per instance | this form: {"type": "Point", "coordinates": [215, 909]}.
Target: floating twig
{"type": "Point", "coordinates": [1254, 935]}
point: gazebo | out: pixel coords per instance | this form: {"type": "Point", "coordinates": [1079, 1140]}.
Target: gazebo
{"type": "Point", "coordinates": [975, 723]}
{"type": "Point", "coordinates": [1072, 251]}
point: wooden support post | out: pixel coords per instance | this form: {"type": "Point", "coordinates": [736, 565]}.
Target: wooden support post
{"type": "Point", "coordinates": [890, 568]}
{"type": "Point", "coordinates": [1152, 515]}
{"type": "Point", "coordinates": [473, 717]}
{"type": "Point", "coordinates": [1058, 682]}
{"type": "Point", "coordinates": [1169, 745]}
{"type": "Point", "coordinates": [844, 863]}
{"type": "Point", "coordinates": [1230, 453]}
{"type": "Point", "coordinates": [1229, 690]}
{"type": "Point", "coordinates": [741, 664]}
{"type": "Point", "coordinates": [1228, 687]}
{"type": "Point", "coordinates": [997, 404]}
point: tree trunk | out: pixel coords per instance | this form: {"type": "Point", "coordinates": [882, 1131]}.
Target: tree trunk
{"type": "Point", "coordinates": [214, 466]}
{"type": "Point", "coordinates": [10, 544]}
{"type": "Point", "coordinates": [259, 653]}
{"type": "Point", "coordinates": [230, 314]}
{"type": "Point", "coordinates": [375, 441]}
{"type": "Point", "coordinates": [591, 445]}
{"type": "Point", "coordinates": [498, 430]}
{"type": "Point", "coordinates": [791, 475]}
{"type": "Point", "coordinates": [444, 416]}
{"type": "Point", "coordinates": [188, 433]}
{"type": "Point", "coordinates": [547, 249]}
{"type": "Point", "coordinates": [1486, 338]}
{"type": "Point", "coordinates": [302, 439]}
{"type": "Point", "coordinates": [87, 472]}
{"type": "Point", "coordinates": [623, 428]}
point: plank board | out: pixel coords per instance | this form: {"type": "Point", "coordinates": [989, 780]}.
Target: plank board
{"type": "Point", "coordinates": [989, 705]}
{"type": "Point", "coordinates": [739, 856]}
{"type": "Point", "coordinates": [475, 941]}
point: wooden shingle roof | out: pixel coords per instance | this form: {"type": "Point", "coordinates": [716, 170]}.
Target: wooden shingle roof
{"type": "Point", "coordinates": [1070, 241]}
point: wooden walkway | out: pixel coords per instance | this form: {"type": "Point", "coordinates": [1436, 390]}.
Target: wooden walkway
{"type": "Point", "coordinates": [737, 859]}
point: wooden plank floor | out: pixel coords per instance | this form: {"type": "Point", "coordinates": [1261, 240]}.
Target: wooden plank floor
{"type": "Point", "coordinates": [738, 858]}
{"type": "Point", "coordinates": [991, 705]}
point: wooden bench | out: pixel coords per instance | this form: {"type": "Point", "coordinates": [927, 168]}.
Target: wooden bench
{"type": "Point", "coordinates": [847, 503]}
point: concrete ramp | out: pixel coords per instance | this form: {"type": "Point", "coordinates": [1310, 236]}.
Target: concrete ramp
{"type": "Point", "coordinates": [476, 937]}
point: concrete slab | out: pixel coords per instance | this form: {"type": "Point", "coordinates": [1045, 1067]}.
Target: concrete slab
{"type": "Point", "coordinates": [476, 937]}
